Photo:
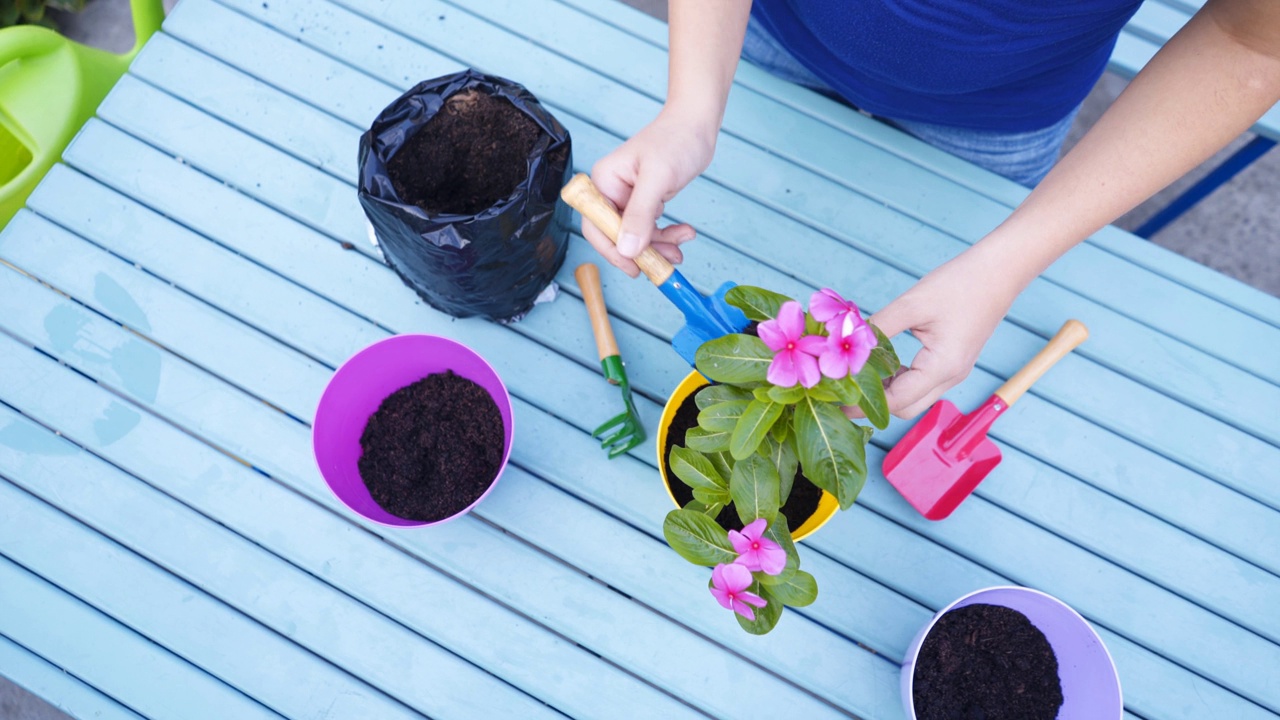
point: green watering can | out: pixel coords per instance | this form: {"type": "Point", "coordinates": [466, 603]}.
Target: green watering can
{"type": "Point", "coordinates": [49, 87]}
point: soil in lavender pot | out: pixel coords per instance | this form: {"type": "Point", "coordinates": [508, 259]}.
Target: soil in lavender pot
{"type": "Point", "coordinates": [986, 662]}
{"type": "Point", "coordinates": [801, 503]}
{"type": "Point", "coordinates": [432, 448]}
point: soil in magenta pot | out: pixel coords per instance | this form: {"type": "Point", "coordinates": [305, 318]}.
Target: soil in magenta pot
{"type": "Point", "coordinates": [802, 502]}
{"type": "Point", "coordinates": [432, 448]}
{"type": "Point", "coordinates": [468, 157]}
{"type": "Point", "coordinates": [988, 662]}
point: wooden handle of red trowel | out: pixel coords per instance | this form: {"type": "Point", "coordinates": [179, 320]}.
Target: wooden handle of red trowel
{"type": "Point", "coordinates": [1071, 334]}
{"type": "Point", "coordinates": [582, 195]}
{"type": "Point", "coordinates": [588, 277]}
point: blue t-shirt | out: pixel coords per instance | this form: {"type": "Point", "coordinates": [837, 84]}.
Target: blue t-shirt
{"type": "Point", "coordinates": [1002, 65]}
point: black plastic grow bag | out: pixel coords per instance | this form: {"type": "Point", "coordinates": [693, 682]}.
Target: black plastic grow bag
{"type": "Point", "coordinates": [493, 263]}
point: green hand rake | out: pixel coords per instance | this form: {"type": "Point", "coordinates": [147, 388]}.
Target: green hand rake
{"type": "Point", "coordinates": [624, 431]}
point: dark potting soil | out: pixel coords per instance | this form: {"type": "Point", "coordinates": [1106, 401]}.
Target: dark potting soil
{"type": "Point", "coordinates": [432, 448]}
{"type": "Point", "coordinates": [802, 502]}
{"type": "Point", "coordinates": [467, 158]}
{"type": "Point", "coordinates": [986, 662]}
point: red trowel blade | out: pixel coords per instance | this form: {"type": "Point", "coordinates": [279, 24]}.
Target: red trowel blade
{"type": "Point", "coordinates": [943, 458]}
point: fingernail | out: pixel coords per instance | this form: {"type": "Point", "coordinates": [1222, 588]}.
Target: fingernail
{"type": "Point", "coordinates": [629, 245]}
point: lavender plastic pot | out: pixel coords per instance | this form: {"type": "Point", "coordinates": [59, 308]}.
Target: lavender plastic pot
{"type": "Point", "coordinates": [357, 389]}
{"type": "Point", "coordinates": [1090, 684]}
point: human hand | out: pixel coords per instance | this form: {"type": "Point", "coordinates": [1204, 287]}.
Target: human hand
{"type": "Point", "coordinates": [639, 178]}
{"type": "Point", "coordinates": [952, 311]}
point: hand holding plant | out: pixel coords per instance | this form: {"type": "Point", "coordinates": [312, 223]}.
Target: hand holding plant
{"type": "Point", "coordinates": [774, 415]}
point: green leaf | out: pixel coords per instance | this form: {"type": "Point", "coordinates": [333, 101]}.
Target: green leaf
{"type": "Point", "coordinates": [867, 433]}
{"type": "Point", "coordinates": [722, 416]}
{"type": "Point", "coordinates": [781, 534]}
{"type": "Point", "coordinates": [716, 394]}
{"type": "Point", "coordinates": [752, 428]}
{"type": "Point", "coordinates": [831, 450]}
{"type": "Point", "coordinates": [705, 441]}
{"type": "Point", "coordinates": [873, 402]}
{"type": "Point", "coordinates": [781, 430]}
{"type": "Point", "coordinates": [711, 511]}
{"type": "Point", "coordinates": [813, 327]}
{"type": "Point", "coordinates": [883, 357]}
{"type": "Point", "coordinates": [754, 488]}
{"type": "Point", "coordinates": [824, 391]}
{"type": "Point", "coordinates": [697, 538]}
{"type": "Point", "coordinates": [797, 589]}
{"type": "Point", "coordinates": [782, 455]}
{"type": "Point", "coordinates": [756, 303]}
{"type": "Point", "coordinates": [767, 616]}
{"type": "Point", "coordinates": [846, 389]}
{"type": "Point", "coordinates": [712, 496]}
{"type": "Point", "coordinates": [695, 469]}
{"type": "Point", "coordinates": [722, 461]}
{"type": "Point", "coordinates": [734, 359]}
{"type": "Point", "coordinates": [786, 396]}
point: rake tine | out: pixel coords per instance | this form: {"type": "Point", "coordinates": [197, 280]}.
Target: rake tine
{"type": "Point", "coordinates": [610, 424]}
{"type": "Point", "coordinates": [629, 430]}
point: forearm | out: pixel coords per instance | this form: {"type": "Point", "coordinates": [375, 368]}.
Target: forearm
{"type": "Point", "coordinates": [1209, 84]}
{"type": "Point", "coordinates": [705, 41]}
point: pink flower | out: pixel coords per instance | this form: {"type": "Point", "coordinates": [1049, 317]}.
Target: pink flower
{"type": "Point", "coordinates": [729, 584]}
{"type": "Point", "coordinates": [795, 354]}
{"type": "Point", "coordinates": [847, 350]}
{"type": "Point", "coordinates": [756, 552]}
{"type": "Point", "coordinates": [827, 307]}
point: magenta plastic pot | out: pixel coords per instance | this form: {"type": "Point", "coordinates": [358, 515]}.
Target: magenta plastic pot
{"type": "Point", "coordinates": [357, 389]}
{"type": "Point", "coordinates": [1090, 684]}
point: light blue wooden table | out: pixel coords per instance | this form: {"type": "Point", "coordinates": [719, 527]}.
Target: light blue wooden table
{"type": "Point", "coordinates": [178, 293]}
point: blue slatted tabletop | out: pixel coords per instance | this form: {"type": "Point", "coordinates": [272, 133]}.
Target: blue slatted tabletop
{"type": "Point", "coordinates": [180, 290]}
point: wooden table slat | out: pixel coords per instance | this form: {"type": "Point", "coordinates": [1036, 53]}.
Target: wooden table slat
{"type": "Point", "coordinates": [89, 644]}
{"type": "Point", "coordinates": [255, 583]}
{"type": "Point", "coordinates": [358, 563]}
{"type": "Point", "coordinates": [43, 679]}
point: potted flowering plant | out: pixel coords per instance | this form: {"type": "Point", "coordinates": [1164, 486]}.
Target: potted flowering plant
{"type": "Point", "coordinates": [771, 422]}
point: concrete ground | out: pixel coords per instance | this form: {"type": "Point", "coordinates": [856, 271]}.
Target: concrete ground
{"type": "Point", "coordinates": [1235, 231]}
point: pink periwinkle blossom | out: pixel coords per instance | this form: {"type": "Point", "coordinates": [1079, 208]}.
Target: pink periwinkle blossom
{"type": "Point", "coordinates": [828, 307]}
{"type": "Point", "coordinates": [847, 348]}
{"type": "Point", "coordinates": [795, 354]}
{"type": "Point", "coordinates": [757, 552]}
{"type": "Point", "coordinates": [729, 584]}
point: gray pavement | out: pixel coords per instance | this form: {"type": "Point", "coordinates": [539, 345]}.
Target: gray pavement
{"type": "Point", "coordinates": [1235, 231]}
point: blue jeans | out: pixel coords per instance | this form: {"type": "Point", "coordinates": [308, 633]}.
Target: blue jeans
{"type": "Point", "coordinates": [1024, 157]}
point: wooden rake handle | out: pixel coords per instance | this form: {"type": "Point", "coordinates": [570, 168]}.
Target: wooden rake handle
{"type": "Point", "coordinates": [582, 195]}
{"type": "Point", "coordinates": [1071, 334]}
{"type": "Point", "coordinates": [588, 276]}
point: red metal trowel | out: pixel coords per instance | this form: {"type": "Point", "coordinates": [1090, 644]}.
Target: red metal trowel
{"type": "Point", "coordinates": [943, 458]}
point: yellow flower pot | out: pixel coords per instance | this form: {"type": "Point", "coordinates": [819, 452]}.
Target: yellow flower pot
{"type": "Point", "coordinates": [827, 505]}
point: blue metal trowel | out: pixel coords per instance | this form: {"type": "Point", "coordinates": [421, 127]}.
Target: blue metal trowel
{"type": "Point", "coordinates": [706, 318]}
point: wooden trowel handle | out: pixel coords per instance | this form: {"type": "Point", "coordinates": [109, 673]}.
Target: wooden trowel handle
{"type": "Point", "coordinates": [582, 195]}
{"type": "Point", "coordinates": [1072, 333]}
{"type": "Point", "coordinates": [588, 276]}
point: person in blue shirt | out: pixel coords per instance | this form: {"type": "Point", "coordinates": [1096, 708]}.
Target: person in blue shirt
{"type": "Point", "coordinates": [997, 82]}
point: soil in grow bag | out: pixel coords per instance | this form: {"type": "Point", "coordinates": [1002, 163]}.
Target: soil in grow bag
{"type": "Point", "coordinates": [471, 155]}
{"type": "Point", "coordinates": [989, 662]}
{"type": "Point", "coordinates": [802, 502]}
{"type": "Point", "coordinates": [432, 448]}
